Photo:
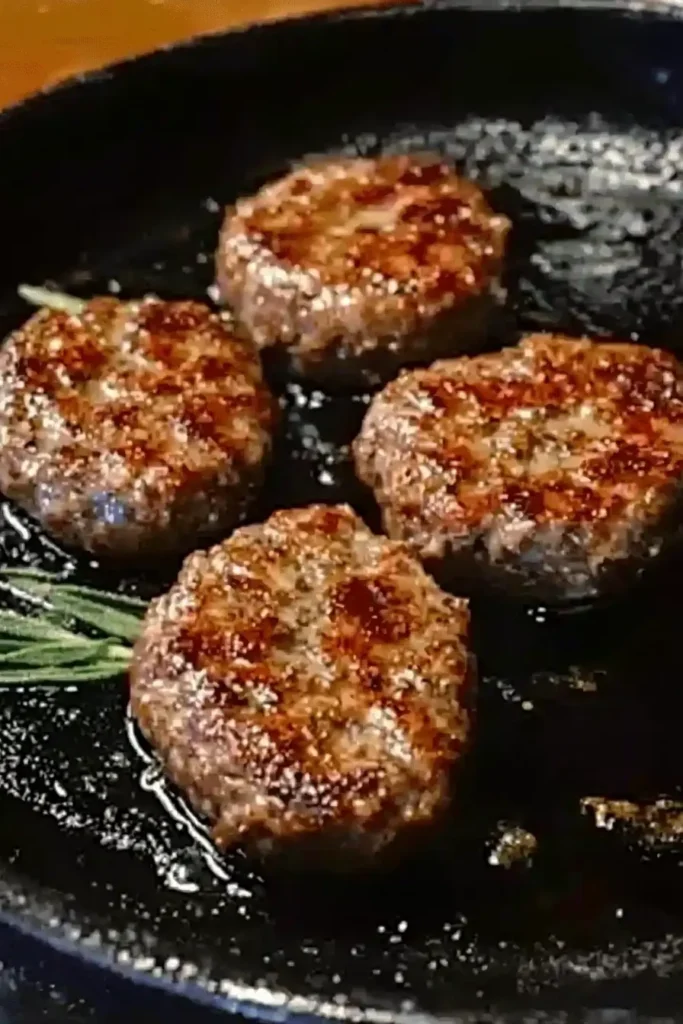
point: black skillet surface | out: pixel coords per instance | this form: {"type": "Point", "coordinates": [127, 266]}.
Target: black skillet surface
{"type": "Point", "coordinates": [116, 182]}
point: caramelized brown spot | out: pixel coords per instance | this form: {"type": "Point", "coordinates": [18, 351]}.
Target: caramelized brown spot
{"type": "Point", "coordinates": [374, 194]}
{"type": "Point", "coordinates": [420, 173]}
{"type": "Point", "coordinates": [560, 500]}
{"type": "Point", "coordinates": [301, 186]}
{"type": "Point", "coordinates": [437, 211]}
{"type": "Point", "coordinates": [327, 520]}
{"type": "Point", "coordinates": [162, 319]}
{"type": "Point", "coordinates": [252, 641]}
{"type": "Point", "coordinates": [412, 222]}
{"type": "Point", "coordinates": [630, 460]}
{"type": "Point", "coordinates": [375, 608]}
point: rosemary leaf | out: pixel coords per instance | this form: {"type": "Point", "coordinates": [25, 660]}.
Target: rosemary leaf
{"type": "Point", "coordinates": [107, 598]}
{"type": "Point", "coordinates": [33, 587]}
{"type": "Point", "coordinates": [110, 621]}
{"type": "Point", "coordinates": [31, 573]}
{"type": "Point", "coordinates": [28, 578]}
{"type": "Point", "coordinates": [53, 300]}
{"type": "Point", "coordinates": [8, 646]}
{"type": "Point", "coordinates": [63, 673]}
{"type": "Point", "coordinates": [56, 653]}
{"type": "Point", "coordinates": [37, 646]}
{"type": "Point", "coordinates": [29, 587]}
{"type": "Point", "coordinates": [91, 610]}
{"type": "Point", "coordinates": [29, 627]}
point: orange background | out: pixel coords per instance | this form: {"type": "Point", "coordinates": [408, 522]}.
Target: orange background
{"type": "Point", "coordinates": [42, 41]}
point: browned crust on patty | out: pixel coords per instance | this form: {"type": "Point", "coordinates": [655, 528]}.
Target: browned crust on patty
{"type": "Point", "coordinates": [544, 466]}
{"type": "Point", "coordinates": [134, 427]}
{"type": "Point", "coordinates": [353, 268]}
{"type": "Point", "coordinates": [305, 680]}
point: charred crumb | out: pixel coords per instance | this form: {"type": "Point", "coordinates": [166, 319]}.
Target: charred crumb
{"type": "Point", "coordinates": [514, 845]}
{"type": "Point", "coordinates": [579, 679]}
{"type": "Point", "coordinates": [344, 271]}
{"type": "Point", "coordinates": [657, 823]}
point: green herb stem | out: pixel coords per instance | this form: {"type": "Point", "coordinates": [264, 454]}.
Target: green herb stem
{"type": "Point", "coordinates": [40, 645]}
{"type": "Point", "coordinates": [65, 675]}
{"type": "Point", "coordinates": [52, 300]}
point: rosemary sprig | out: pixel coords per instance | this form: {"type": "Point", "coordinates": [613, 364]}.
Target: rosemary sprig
{"type": "Point", "coordinates": [90, 607]}
{"type": "Point", "coordinates": [46, 644]}
{"type": "Point", "coordinates": [53, 300]}
{"type": "Point", "coordinates": [28, 676]}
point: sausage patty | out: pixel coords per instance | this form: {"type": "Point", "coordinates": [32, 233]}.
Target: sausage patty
{"type": "Point", "coordinates": [353, 268]}
{"type": "Point", "coordinates": [547, 468]}
{"type": "Point", "coordinates": [132, 428]}
{"type": "Point", "coordinates": [305, 680]}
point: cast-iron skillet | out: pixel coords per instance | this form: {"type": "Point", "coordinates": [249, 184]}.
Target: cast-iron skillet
{"type": "Point", "coordinates": [116, 180]}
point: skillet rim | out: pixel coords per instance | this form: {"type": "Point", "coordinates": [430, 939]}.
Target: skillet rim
{"type": "Point", "coordinates": [32, 916]}
{"type": "Point", "coordinates": [650, 9]}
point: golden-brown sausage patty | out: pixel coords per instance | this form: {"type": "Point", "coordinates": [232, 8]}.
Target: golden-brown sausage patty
{"type": "Point", "coordinates": [352, 268]}
{"type": "Point", "coordinates": [133, 427]}
{"type": "Point", "coordinates": [305, 680]}
{"type": "Point", "coordinates": [545, 467]}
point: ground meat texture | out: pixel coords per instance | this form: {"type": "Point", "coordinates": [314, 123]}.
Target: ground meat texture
{"type": "Point", "coordinates": [133, 428]}
{"type": "Point", "coordinates": [304, 683]}
{"type": "Point", "coordinates": [350, 269]}
{"type": "Point", "coordinates": [551, 469]}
